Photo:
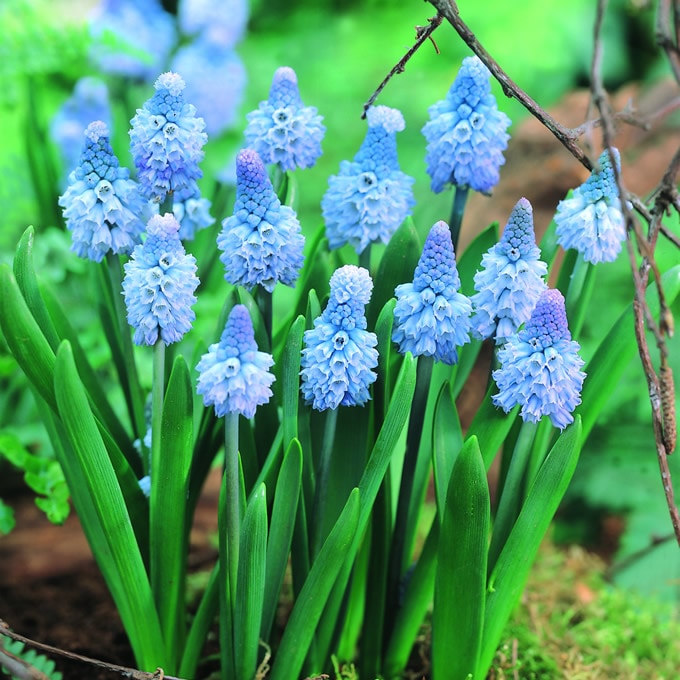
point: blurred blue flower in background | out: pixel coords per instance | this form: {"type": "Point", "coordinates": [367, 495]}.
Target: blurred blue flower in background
{"type": "Point", "coordinates": [167, 140]}
{"type": "Point", "coordinates": [466, 134]}
{"type": "Point", "coordinates": [191, 210]}
{"type": "Point", "coordinates": [540, 368]}
{"type": "Point", "coordinates": [222, 21]}
{"type": "Point", "coordinates": [339, 353]}
{"type": "Point", "coordinates": [261, 242]}
{"type": "Point", "coordinates": [511, 279]}
{"type": "Point", "coordinates": [431, 317]}
{"type": "Point", "coordinates": [591, 221]}
{"type": "Point", "coordinates": [282, 129]}
{"type": "Point", "coordinates": [103, 207]}
{"type": "Point", "coordinates": [159, 284]}
{"type": "Point", "coordinates": [371, 196]}
{"type": "Point", "coordinates": [132, 38]}
{"type": "Point", "coordinates": [233, 375]}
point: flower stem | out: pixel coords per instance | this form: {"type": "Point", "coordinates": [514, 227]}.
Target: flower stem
{"type": "Point", "coordinates": [266, 305]}
{"type": "Point", "coordinates": [232, 499]}
{"type": "Point", "coordinates": [157, 393]}
{"type": "Point", "coordinates": [459, 199]}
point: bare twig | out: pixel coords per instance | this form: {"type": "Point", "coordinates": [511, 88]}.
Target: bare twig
{"type": "Point", "coordinates": [133, 673]}
{"type": "Point", "coordinates": [665, 37]}
{"type": "Point", "coordinates": [18, 668]}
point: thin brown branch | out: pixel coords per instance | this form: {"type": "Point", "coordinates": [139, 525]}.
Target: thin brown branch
{"type": "Point", "coordinates": [666, 37]}
{"type": "Point", "coordinates": [18, 668]}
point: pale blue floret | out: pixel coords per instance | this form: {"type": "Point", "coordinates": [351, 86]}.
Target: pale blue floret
{"type": "Point", "coordinates": [145, 485]}
{"type": "Point", "coordinates": [261, 242]}
{"type": "Point", "coordinates": [431, 317]}
{"type": "Point", "coordinates": [466, 134]}
{"type": "Point", "coordinates": [132, 38]}
{"type": "Point", "coordinates": [370, 197]}
{"type": "Point", "coordinates": [219, 20]}
{"type": "Point", "coordinates": [282, 129]}
{"type": "Point", "coordinates": [339, 353]}
{"type": "Point", "coordinates": [192, 211]}
{"type": "Point", "coordinates": [167, 140]}
{"type": "Point", "coordinates": [159, 284]}
{"type": "Point", "coordinates": [540, 368]}
{"type": "Point", "coordinates": [511, 280]}
{"type": "Point", "coordinates": [234, 376]}
{"type": "Point", "coordinates": [102, 206]}
{"type": "Point", "coordinates": [592, 221]}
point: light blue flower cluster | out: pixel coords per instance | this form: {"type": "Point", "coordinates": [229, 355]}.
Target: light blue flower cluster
{"type": "Point", "coordinates": [591, 221]}
{"type": "Point", "coordinates": [282, 129]}
{"type": "Point", "coordinates": [466, 133]}
{"type": "Point", "coordinates": [191, 210]}
{"type": "Point", "coordinates": [431, 317]}
{"type": "Point", "coordinates": [540, 368]}
{"type": "Point", "coordinates": [89, 102]}
{"type": "Point", "coordinates": [132, 38]}
{"type": "Point", "coordinates": [222, 21]}
{"type": "Point", "coordinates": [234, 376]}
{"type": "Point", "coordinates": [371, 196]}
{"type": "Point", "coordinates": [339, 353]}
{"type": "Point", "coordinates": [102, 206]}
{"type": "Point", "coordinates": [159, 284]}
{"type": "Point", "coordinates": [261, 242]}
{"type": "Point", "coordinates": [167, 140]}
{"type": "Point", "coordinates": [511, 279]}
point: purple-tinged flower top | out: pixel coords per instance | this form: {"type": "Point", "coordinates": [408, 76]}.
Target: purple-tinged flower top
{"type": "Point", "coordinates": [592, 221]}
{"type": "Point", "coordinates": [370, 197]}
{"type": "Point", "coordinates": [261, 242]}
{"type": "Point", "coordinates": [102, 206]}
{"type": "Point", "coordinates": [511, 279]}
{"type": "Point", "coordinates": [132, 38]}
{"type": "Point", "coordinates": [282, 129]}
{"type": "Point", "coordinates": [167, 140]}
{"type": "Point", "coordinates": [234, 376]}
{"type": "Point", "coordinates": [540, 368]}
{"type": "Point", "coordinates": [203, 63]}
{"type": "Point", "coordinates": [466, 133]}
{"type": "Point", "coordinates": [220, 20]}
{"type": "Point", "coordinates": [89, 102]}
{"type": "Point", "coordinates": [431, 317]}
{"type": "Point", "coordinates": [159, 284]}
{"type": "Point", "coordinates": [339, 353]}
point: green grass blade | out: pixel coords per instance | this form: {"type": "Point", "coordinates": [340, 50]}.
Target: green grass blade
{"type": "Point", "coordinates": [290, 380]}
{"type": "Point", "coordinates": [447, 441]}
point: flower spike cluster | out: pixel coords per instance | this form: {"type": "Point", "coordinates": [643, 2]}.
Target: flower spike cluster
{"type": "Point", "coordinates": [261, 242]}
{"type": "Point", "coordinates": [466, 134]}
{"type": "Point", "coordinates": [511, 279]}
{"type": "Point", "coordinates": [159, 284]}
{"type": "Point", "coordinates": [234, 375]}
{"type": "Point", "coordinates": [431, 317]}
{"type": "Point", "coordinates": [339, 352]}
{"type": "Point", "coordinates": [371, 196]}
{"type": "Point", "coordinates": [167, 140]}
{"type": "Point", "coordinates": [591, 221]}
{"type": "Point", "coordinates": [282, 129]}
{"type": "Point", "coordinates": [102, 205]}
{"type": "Point", "coordinates": [540, 366]}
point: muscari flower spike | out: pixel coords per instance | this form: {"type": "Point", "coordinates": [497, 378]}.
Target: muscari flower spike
{"type": "Point", "coordinates": [167, 140]}
{"type": "Point", "coordinates": [223, 20]}
{"type": "Point", "coordinates": [159, 284]}
{"type": "Point", "coordinates": [511, 279]}
{"type": "Point", "coordinates": [371, 196]}
{"type": "Point", "coordinates": [102, 205]}
{"type": "Point", "coordinates": [282, 129]}
{"type": "Point", "coordinates": [466, 133]}
{"type": "Point", "coordinates": [234, 376]}
{"type": "Point", "coordinates": [339, 353]}
{"type": "Point", "coordinates": [192, 211]}
{"type": "Point", "coordinates": [591, 221]}
{"type": "Point", "coordinates": [261, 242]}
{"type": "Point", "coordinates": [431, 317]}
{"type": "Point", "coordinates": [540, 368]}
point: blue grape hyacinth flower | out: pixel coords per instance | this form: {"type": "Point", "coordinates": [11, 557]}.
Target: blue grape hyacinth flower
{"type": "Point", "coordinates": [159, 284]}
{"type": "Point", "coordinates": [192, 211]}
{"type": "Point", "coordinates": [102, 206]}
{"type": "Point", "coordinates": [371, 196]}
{"type": "Point", "coordinates": [591, 221]}
{"type": "Point", "coordinates": [511, 280]}
{"type": "Point", "coordinates": [466, 134]}
{"type": "Point", "coordinates": [219, 20]}
{"type": "Point", "coordinates": [540, 368]}
{"type": "Point", "coordinates": [339, 353]}
{"type": "Point", "coordinates": [234, 375]}
{"type": "Point", "coordinates": [282, 129]}
{"type": "Point", "coordinates": [261, 242]}
{"type": "Point", "coordinates": [166, 140]}
{"type": "Point", "coordinates": [431, 317]}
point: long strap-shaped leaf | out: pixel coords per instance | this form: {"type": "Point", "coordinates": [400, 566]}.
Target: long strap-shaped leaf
{"type": "Point", "coordinates": [133, 595]}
